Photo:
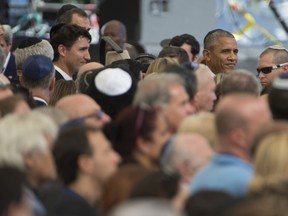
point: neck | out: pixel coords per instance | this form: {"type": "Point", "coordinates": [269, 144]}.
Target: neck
{"type": "Point", "coordinates": [87, 188]}
{"type": "Point", "coordinates": [144, 160]}
{"type": "Point", "coordinates": [241, 153]}
{"type": "Point", "coordinates": [41, 93]}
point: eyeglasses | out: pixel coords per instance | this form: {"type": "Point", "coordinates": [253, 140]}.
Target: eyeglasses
{"type": "Point", "coordinates": [80, 121]}
{"type": "Point", "coordinates": [267, 70]}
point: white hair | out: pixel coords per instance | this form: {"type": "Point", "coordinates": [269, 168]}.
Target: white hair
{"type": "Point", "coordinates": [23, 133]}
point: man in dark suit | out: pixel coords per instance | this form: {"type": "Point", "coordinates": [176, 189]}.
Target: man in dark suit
{"type": "Point", "coordinates": [6, 44]}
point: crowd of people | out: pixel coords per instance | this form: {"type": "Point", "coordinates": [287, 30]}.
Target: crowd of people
{"type": "Point", "coordinates": [180, 133]}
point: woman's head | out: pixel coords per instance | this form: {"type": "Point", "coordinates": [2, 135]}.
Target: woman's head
{"type": "Point", "coordinates": [138, 133]}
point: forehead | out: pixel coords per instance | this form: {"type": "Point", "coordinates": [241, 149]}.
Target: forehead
{"type": "Point", "coordinates": [97, 141]}
{"type": "Point", "coordinates": [80, 21]}
{"type": "Point", "coordinates": [267, 58]}
{"type": "Point", "coordinates": [225, 43]}
{"type": "Point", "coordinates": [177, 93]}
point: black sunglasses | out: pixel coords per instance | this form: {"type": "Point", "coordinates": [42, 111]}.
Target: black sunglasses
{"type": "Point", "coordinates": [267, 70]}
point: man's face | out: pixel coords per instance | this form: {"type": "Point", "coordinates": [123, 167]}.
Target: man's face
{"type": "Point", "coordinates": [267, 61]}
{"type": "Point", "coordinates": [77, 55]}
{"type": "Point", "coordinates": [222, 58]}
{"type": "Point", "coordinates": [5, 47]}
{"type": "Point", "coordinates": [114, 32]}
{"type": "Point", "coordinates": [178, 107]}
{"type": "Point", "coordinates": [187, 48]}
{"type": "Point", "coordinates": [105, 159]}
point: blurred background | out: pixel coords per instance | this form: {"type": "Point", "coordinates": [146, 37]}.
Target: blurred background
{"type": "Point", "coordinates": [256, 24]}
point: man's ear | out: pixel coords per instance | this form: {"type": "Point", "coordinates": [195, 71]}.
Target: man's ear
{"type": "Point", "coordinates": [28, 160]}
{"type": "Point", "coordinates": [206, 55]}
{"type": "Point", "coordinates": [85, 164]}
{"type": "Point", "coordinates": [62, 50]}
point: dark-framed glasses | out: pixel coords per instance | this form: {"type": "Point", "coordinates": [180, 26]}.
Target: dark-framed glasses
{"type": "Point", "coordinates": [267, 70]}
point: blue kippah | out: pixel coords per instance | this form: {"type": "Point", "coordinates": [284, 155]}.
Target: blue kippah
{"type": "Point", "coordinates": [37, 67]}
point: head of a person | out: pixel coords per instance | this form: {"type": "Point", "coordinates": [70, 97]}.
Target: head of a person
{"type": "Point", "coordinates": [178, 53]}
{"type": "Point", "coordinates": [238, 118]}
{"type": "Point", "coordinates": [2, 59]}
{"type": "Point", "coordinates": [138, 134]}
{"type": "Point", "coordinates": [13, 104]}
{"type": "Point", "coordinates": [189, 43]}
{"type": "Point", "coordinates": [269, 155]}
{"type": "Point", "coordinates": [38, 73]}
{"type": "Point", "coordinates": [145, 60]}
{"type": "Point", "coordinates": [160, 65]}
{"type": "Point", "coordinates": [84, 151]}
{"type": "Point", "coordinates": [5, 87]}
{"type": "Point", "coordinates": [207, 202]}
{"type": "Point", "coordinates": [80, 82]}
{"type": "Point", "coordinates": [272, 62]}
{"type": "Point", "coordinates": [31, 46]}
{"type": "Point", "coordinates": [116, 30]}
{"type": "Point", "coordinates": [241, 81]}
{"type": "Point", "coordinates": [220, 51]}
{"type": "Point", "coordinates": [70, 43]}
{"type": "Point", "coordinates": [62, 89]}
{"type": "Point", "coordinates": [205, 94]}
{"type": "Point", "coordinates": [168, 92]}
{"type": "Point", "coordinates": [185, 154]}
{"type": "Point", "coordinates": [6, 39]}
{"type": "Point", "coordinates": [28, 146]}
{"type": "Point", "coordinates": [202, 123]}
{"type": "Point", "coordinates": [81, 108]}
{"type": "Point", "coordinates": [75, 16]}
{"type": "Point", "coordinates": [278, 98]}
{"type": "Point", "coordinates": [13, 201]}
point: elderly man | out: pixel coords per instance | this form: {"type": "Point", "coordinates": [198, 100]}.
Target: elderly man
{"type": "Point", "coordinates": [272, 62]}
{"type": "Point", "coordinates": [168, 92]}
{"type": "Point", "coordinates": [220, 51]}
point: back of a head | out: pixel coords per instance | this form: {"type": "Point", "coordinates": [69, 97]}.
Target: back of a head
{"type": "Point", "coordinates": [279, 53]}
{"type": "Point", "coordinates": [160, 65]}
{"type": "Point", "coordinates": [30, 131]}
{"type": "Point", "coordinates": [12, 191]}
{"type": "Point", "coordinates": [145, 207]}
{"type": "Point", "coordinates": [278, 98]}
{"type": "Point", "coordinates": [174, 52]}
{"type": "Point", "coordinates": [211, 37]}
{"type": "Point", "coordinates": [240, 81]}
{"type": "Point", "coordinates": [62, 89]}
{"type": "Point", "coordinates": [207, 203]}
{"type": "Point", "coordinates": [66, 16]}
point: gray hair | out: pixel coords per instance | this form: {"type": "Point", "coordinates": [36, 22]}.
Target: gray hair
{"type": "Point", "coordinates": [42, 48]}
{"type": "Point", "coordinates": [2, 59]}
{"type": "Point", "coordinates": [24, 133]}
{"type": "Point", "coordinates": [8, 34]}
{"type": "Point", "coordinates": [154, 89]}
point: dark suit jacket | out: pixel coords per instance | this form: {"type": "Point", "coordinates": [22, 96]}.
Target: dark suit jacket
{"type": "Point", "coordinates": [58, 76]}
{"type": "Point", "coordinates": [10, 71]}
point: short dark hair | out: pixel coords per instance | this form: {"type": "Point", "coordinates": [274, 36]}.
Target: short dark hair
{"type": "Point", "coordinates": [212, 36]}
{"type": "Point", "coordinates": [179, 40]}
{"type": "Point", "coordinates": [66, 34]}
{"type": "Point", "coordinates": [11, 187]}
{"type": "Point", "coordinates": [71, 143]}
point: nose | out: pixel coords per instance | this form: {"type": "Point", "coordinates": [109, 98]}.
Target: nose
{"type": "Point", "coordinates": [261, 75]}
{"type": "Point", "coordinates": [117, 157]}
{"type": "Point", "coordinates": [87, 56]}
{"type": "Point", "coordinates": [232, 56]}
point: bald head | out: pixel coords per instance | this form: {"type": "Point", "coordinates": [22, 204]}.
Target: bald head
{"type": "Point", "coordinates": [241, 111]}
{"type": "Point", "coordinates": [81, 105]}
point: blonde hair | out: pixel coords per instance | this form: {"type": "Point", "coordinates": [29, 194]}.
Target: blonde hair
{"type": "Point", "coordinates": [270, 161]}
{"type": "Point", "coordinates": [160, 65]}
{"type": "Point", "coordinates": [202, 123]}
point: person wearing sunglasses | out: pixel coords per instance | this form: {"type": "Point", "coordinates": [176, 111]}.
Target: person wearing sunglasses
{"type": "Point", "coordinates": [272, 62]}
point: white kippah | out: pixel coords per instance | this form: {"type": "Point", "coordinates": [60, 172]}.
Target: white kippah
{"type": "Point", "coordinates": [113, 81]}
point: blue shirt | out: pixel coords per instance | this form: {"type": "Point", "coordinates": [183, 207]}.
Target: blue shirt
{"type": "Point", "coordinates": [223, 172]}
